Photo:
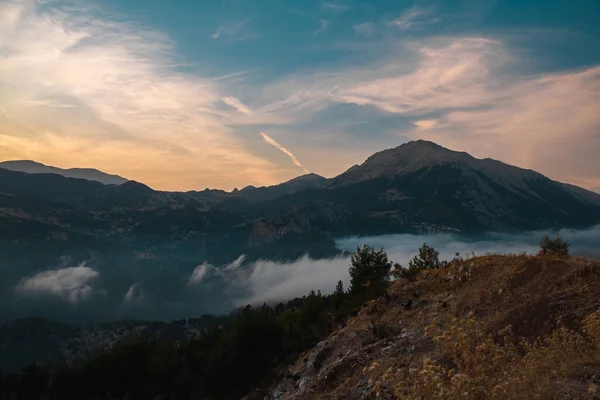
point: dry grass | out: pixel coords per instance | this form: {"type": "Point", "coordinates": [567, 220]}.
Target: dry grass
{"type": "Point", "coordinates": [553, 353]}
{"type": "Point", "coordinates": [504, 327]}
{"type": "Point", "coordinates": [480, 366]}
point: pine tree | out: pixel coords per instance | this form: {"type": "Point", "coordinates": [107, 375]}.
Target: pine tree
{"type": "Point", "coordinates": [369, 272]}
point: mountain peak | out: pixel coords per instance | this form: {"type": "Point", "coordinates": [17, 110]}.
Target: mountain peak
{"type": "Point", "coordinates": [33, 167]}
{"type": "Point", "coordinates": [310, 177]}
{"type": "Point", "coordinates": [416, 151]}
{"type": "Point", "coordinates": [407, 157]}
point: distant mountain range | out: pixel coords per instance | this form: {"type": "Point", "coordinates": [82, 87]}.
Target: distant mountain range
{"type": "Point", "coordinates": [130, 234]}
{"type": "Point", "coordinates": [32, 167]}
{"type": "Point", "coordinates": [418, 187]}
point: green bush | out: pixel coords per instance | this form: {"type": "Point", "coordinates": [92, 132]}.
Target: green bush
{"type": "Point", "coordinates": [554, 247]}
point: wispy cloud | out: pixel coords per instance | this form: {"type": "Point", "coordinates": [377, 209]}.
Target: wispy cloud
{"type": "Point", "coordinates": [425, 124]}
{"type": "Point", "coordinates": [231, 29]}
{"type": "Point", "coordinates": [323, 25]}
{"type": "Point", "coordinates": [119, 91]}
{"type": "Point", "coordinates": [364, 29]}
{"type": "Point", "coordinates": [274, 143]}
{"type": "Point", "coordinates": [533, 123]}
{"type": "Point", "coordinates": [198, 274]}
{"type": "Point", "coordinates": [335, 6]}
{"type": "Point", "coordinates": [479, 106]}
{"type": "Point", "coordinates": [236, 103]}
{"type": "Point", "coordinates": [413, 17]}
{"type": "Point", "coordinates": [70, 283]}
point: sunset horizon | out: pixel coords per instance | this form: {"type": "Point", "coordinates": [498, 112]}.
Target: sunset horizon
{"type": "Point", "coordinates": [225, 94]}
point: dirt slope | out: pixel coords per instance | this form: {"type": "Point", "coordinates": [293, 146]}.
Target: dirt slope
{"type": "Point", "coordinates": [445, 336]}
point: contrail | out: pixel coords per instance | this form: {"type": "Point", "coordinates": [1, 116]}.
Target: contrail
{"type": "Point", "coordinates": [273, 142]}
{"type": "Point", "coordinates": [234, 102]}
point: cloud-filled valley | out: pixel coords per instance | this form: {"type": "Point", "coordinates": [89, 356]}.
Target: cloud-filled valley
{"type": "Point", "coordinates": [105, 290]}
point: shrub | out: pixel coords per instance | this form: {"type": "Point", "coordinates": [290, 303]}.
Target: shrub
{"type": "Point", "coordinates": [554, 247]}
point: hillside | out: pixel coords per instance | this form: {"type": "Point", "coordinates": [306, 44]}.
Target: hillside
{"type": "Point", "coordinates": [505, 327]}
{"type": "Point", "coordinates": [461, 332]}
{"type": "Point", "coordinates": [32, 167]}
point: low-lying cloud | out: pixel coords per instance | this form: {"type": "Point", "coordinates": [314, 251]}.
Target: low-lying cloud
{"type": "Point", "coordinates": [73, 284]}
{"type": "Point", "coordinates": [113, 288]}
{"type": "Point", "coordinates": [270, 281]}
{"type": "Point", "coordinates": [198, 274]}
{"type": "Point", "coordinates": [135, 293]}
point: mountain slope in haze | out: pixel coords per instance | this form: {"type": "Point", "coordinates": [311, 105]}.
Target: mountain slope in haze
{"type": "Point", "coordinates": [32, 167]}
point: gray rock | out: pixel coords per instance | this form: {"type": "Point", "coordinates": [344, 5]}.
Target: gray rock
{"type": "Point", "coordinates": [302, 384]}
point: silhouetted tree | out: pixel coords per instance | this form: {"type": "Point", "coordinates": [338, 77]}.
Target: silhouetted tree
{"type": "Point", "coordinates": [369, 272]}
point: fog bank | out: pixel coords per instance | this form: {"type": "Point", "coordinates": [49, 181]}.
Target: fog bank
{"type": "Point", "coordinates": [111, 287]}
{"type": "Point", "coordinates": [270, 281]}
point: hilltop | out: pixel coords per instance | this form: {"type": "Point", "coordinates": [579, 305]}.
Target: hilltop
{"type": "Point", "coordinates": [456, 333]}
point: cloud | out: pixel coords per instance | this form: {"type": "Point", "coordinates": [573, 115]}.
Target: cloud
{"type": "Point", "coordinates": [412, 17]}
{"type": "Point", "coordinates": [274, 143]}
{"type": "Point", "coordinates": [236, 264]}
{"type": "Point", "coordinates": [70, 283]}
{"type": "Point", "coordinates": [426, 124]}
{"type": "Point", "coordinates": [323, 25]}
{"type": "Point", "coordinates": [466, 85]}
{"type": "Point", "coordinates": [135, 293]}
{"type": "Point", "coordinates": [450, 75]}
{"type": "Point", "coordinates": [173, 293]}
{"type": "Point", "coordinates": [271, 281]}
{"type": "Point", "coordinates": [364, 29]}
{"type": "Point", "coordinates": [232, 29]}
{"type": "Point", "coordinates": [235, 103]}
{"type": "Point", "coordinates": [198, 274]}
{"type": "Point", "coordinates": [80, 87]}
{"type": "Point", "coordinates": [532, 124]}
{"type": "Point", "coordinates": [335, 6]}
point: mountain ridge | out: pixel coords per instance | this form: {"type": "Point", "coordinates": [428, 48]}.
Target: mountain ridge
{"type": "Point", "coordinates": [418, 187]}
{"type": "Point", "coordinates": [90, 174]}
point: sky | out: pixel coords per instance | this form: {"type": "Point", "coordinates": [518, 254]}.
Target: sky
{"type": "Point", "coordinates": [184, 95]}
